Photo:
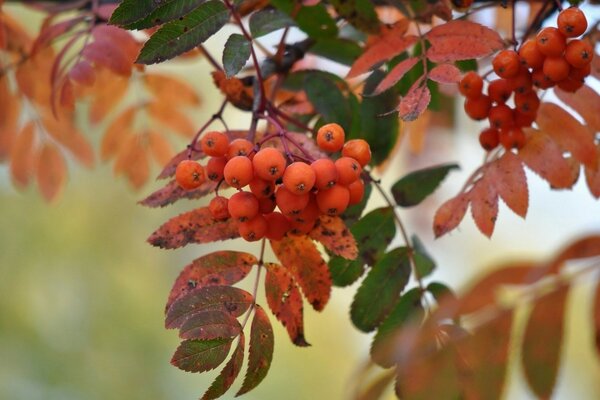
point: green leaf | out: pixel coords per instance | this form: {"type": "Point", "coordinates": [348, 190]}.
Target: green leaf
{"type": "Point", "coordinates": [228, 374]}
{"type": "Point", "coordinates": [182, 35]}
{"type": "Point", "coordinates": [130, 11]}
{"type": "Point", "coordinates": [328, 100]}
{"type": "Point", "coordinates": [167, 11]}
{"type": "Point", "coordinates": [380, 291]}
{"type": "Point", "coordinates": [295, 80]}
{"type": "Point", "coordinates": [416, 186]}
{"type": "Point", "coordinates": [201, 355]}
{"type": "Point", "coordinates": [340, 50]}
{"type": "Point", "coordinates": [260, 354]}
{"type": "Point", "coordinates": [315, 21]}
{"type": "Point", "coordinates": [409, 308]}
{"type": "Point", "coordinates": [268, 20]}
{"type": "Point", "coordinates": [235, 54]}
{"type": "Point", "coordinates": [440, 292]}
{"type": "Point", "coordinates": [345, 272]}
{"type": "Point", "coordinates": [423, 261]}
{"type": "Point", "coordinates": [466, 65]}
{"type": "Point", "coordinates": [360, 13]}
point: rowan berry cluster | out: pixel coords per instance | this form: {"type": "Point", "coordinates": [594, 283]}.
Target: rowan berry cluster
{"type": "Point", "coordinates": [554, 58]}
{"type": "Point", "coordinates": [276, 193]}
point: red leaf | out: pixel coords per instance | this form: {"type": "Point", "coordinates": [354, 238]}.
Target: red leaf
{"type": "Point", "coordinates": [299, 255]}
{"type": "Point", "coordinates": [565, 130]}
{"type": "Point", "coordinates": [106, 54]}
{"type": "Point", "coordinates": [285, 301]}
{"type": "Point", "coordinates": [461, 40]}
{"type": "Point", "coordinates": [389, 44]}
{"type": "Point", "coordinates": [260, 353]}
{"type": "Point", "coordinates": [219, 268]}
{"type": "Point", "coordinates": [211, 324]}
{"type": "Point", "coordinates": [596, 317]}
{"type": "Point", "coordinates": [542, 342]}
{"type": "Point", "coordinates": [449, 215]}
{"type": "Point", "coordinates": [51, 171]}
{"type": "Point", "coordinates": [543, 156]}
{"type": "Point", "coordinates": [224, 298]}
{"type": "Point", "coordinates": [83, 73]}
{"type": "Point", "coordinates": [50, 32]}
{"type": "Point", "coordinates": [333, 233]}
{"type": "Point", "coordinates": [201, 355]}
{"type": "Point", "coordinates": [445, 73]}
{"type": "Point", "coordinates": [172, 192]}
{"type": "Point", "coordinates": [396, 74]}
{"type": "Point", "coordinates": [196, 226]}
{"type": "Point", "coordinates": [592, 178]}
{"type": "Point", "coordinates": [484, 206]}
{"type": "Point", "coordinates": [9, 118]}
{"type": "Point", "coordinates": [583, 248]}
{"type": "Point", "coordinates": [228, 374]}
{"type": "Point", "coordinates": [22, 157]}
{"type": "Point", "coordinates": [415, 102]}
{"type": "Point", "coordinates": [586, 102]}
{"type": "Point", "coordinates": [508, 177]}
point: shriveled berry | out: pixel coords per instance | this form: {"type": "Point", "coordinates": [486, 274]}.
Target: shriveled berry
{"type": "Point", "coordinates": [506, 64]}
{"type": "Point", "coordinates": [330, 137]}
{"type": "Point", "coordinates": [471, 85]}
{"type": "Point", "coordinates": [334, 200]}
{"type": "Point", "coordinates": [358, 149]}
{"type": "Point", "coordinates": [326, 174]}
{"type": "Point", "coordinates": [240, 147]}
{"type": "Point", "coordinates": [215, 167]}
{"type": "Point", "coordinates": [299, 177]}
{"type": "Point", "coordinates": [238, 172]}
{"type": "Point", "coordinates": [572, 22]}
{"type": "Point", "coordinates": [269, 164]}
{"type": "Point", "coordinates": [189, 174]}
{"type": "Point", "coordinates": [277, 226]}
{"type": "Point", "coordinates": [218, 207]}
{"type": "Point", "coordinates": [551, 42]}
{"type": "Point", "coordinates": [489, 138]}
{"type": "Point", "coordinates": [290, 203]}
{"type": "Point", "coordinates": [214, 144]}
{"type": "Point", "coordinates": [243, 206]}
{"type": "Point", "coordinates": [253, 229]}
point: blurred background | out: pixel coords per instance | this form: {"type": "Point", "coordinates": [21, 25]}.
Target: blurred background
{"type": "Point", "coordinates": [82, 294]}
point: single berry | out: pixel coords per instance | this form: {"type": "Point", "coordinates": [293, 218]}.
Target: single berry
{"type": "Point", "coordinates": [499, 90]}
{"type": "Point", "coordinates": [531, 56]}
{"type": "Point", "coordinates": [478, 108]}
{"type": "Point", "coordinates": [299, 177]}
{"type": "Point", "coordinates": [240, 147]}
{"type": "Point", "coordinates": [512, 138]}
{"type": "Point", "coordinates": [261, 188]}
{"type": "Point", "coordinates": [253, 229]}
{"type": "Point", "coordinates": [540, 79]}
{"type": "Point", "coordinates": [238, 172]}
{"type": "Point", "coordinates": [277, 226]}
{"type": "Point", "coordinates": [218, 207]}
{"type": "Point", "coordinates": [358, 149]}
{"type": "Point", "coordinates": [527, 103]}
{"type": "Point", "coordinates": [471, 85]}
{"type": "Point", "coordinates": [215, 167]}
{"type": "Point", "coordinates": [243, 206]}
{"type": "Point", "coordinates": [522, 82]}
{"type": "Point", "coordinates": [330, 137]}
{"type": "Point", "coordinates": [214, 144]}
{"type": "Point", "coordinates": [269, 164]}
{"type": "Point", "coordinates": [551, 42]}
{"type": "Point", "coordinates": [189, 174]}
{"type": "Point", "coordinates": [570, 85]}
{"type": "Point", "coordinates": [556, 68]}
{"type": "Point", "coordinates": [572, 22]}
{"type": "Point", "coordinates": [348, 170]}
{"type": "Point", "coordinates": [289, 203]}
{"type": "Point", "coordinates": [357, 192]}
{"type": "Point", "coordinates": [489, 138]}
{"type": "Point", "coordinates": [506, 64]}
{"type": "Point", "coordinates": [326, 174]}
{"type": "Point", "coordinates": [334, 200]}
{"type": "Point", "coordinates": [501, 116]}
{"type": "Point", "coordinates": [579, 53]}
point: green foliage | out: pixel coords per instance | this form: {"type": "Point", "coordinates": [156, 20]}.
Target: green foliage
{"type": "Point", "coordinates": [315, 21]}
{"type": "Point", "coordinates": [168, 10]}
{"type": "Point", "coordinates": [235, 54]}
{"type": "Point", "coordinates": [201, 355]}
{"type": "Point", "coordinates": [413, 188]}
{"type": "Point", "coordinates": [268, 20]}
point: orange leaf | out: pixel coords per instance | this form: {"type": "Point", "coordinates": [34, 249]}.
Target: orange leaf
{"type": "Point", "coordinates": [171, 90]}
{"type": "Point", "coordinates": [172, 118]}
{"type": "Point", "coordinates": [583, 248]}
{"type": "Point", "coordinates": [395, 74]}
{"type": "Point", "coordinates": [107, 92]}
{"type": "Point", "coordinates": [285, 301]}
{"type": "Point", "coordinates": [484, 206]}
{"type": "Point", "coordinates": [51, 171]}
{"type": "Point", "coordinates": [543, 156]}
{"type": "Point", "coordinates": [596, 317]}
{"type": "Point", "coordinates": [449, 215]}
{"type": "Point", "coordinates": [80, 148]}
{"type": "Point", "coordinates": [388, 44]}
{"type": "Point", "coordinates": [22, 156]}
{"type": "Point", "coordinates": [461, 40]}
{"type": "Point", "coordinates": [565, 130]}
{"type": "Point", "coordinates": [9, 117]}
{"type": "Point", "coordinates": [299, 255]}
{"type": "Point", "coordinates": [117, 132]}
{"type": "Point", "coordinates": [333, 233]}
{"type": "Point", "coordinates": [586, 102]}
{"type": "Point", "coordinates": [67, 96]}
{"type": "Point", "coordinates": [160, 147]}
{"type": "Point", "coordinates": [196, 226]}
{"type": "Point", "coordinates": [592, 178]}
{"type": "Point", "coordinates": [132, 160]}
{"type": "Point", "coordinates": [83, 73]}
{"type": "Point", "coordinates": [508, 177]}
{"type": "Point", "coordinates": [445, 73]}
{"type": "Point", "coordinates": [415, 102]}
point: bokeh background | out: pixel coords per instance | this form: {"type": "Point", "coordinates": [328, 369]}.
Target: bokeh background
{"type": "Point", "coordinates": [82, 294]}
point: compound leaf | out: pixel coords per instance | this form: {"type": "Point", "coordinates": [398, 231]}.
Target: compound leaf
{"type": "Point", "coordinates": [201, 355]}
{"type": "Point", "coordinates": [228, 374]}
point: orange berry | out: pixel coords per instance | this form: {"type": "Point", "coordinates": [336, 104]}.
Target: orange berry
{"type": "Point", "coordinates": [489, 138]}
{"type": "Point", "coordinates": [521, 83]}
{"type": "Point", "coordinates": [189, 174]}
{"type": "Point", "coordinates": [506, 64]}
{"type": "Point", "coordinates": [334, 200]}
{"type": "Point", "coordinates": [570, 85]}
{"type": "Point", "coordinates": [523, 119]}
{"type": "Point", "coordinates": [478, 108]}
{"type": "Point", "coordinates": [301, 228]}
{"type": "Point", "coordinates": [253, 229]}
{"type": "Point", "coordinates": [277, 226]}
{"type": "Point", "coordinates": [299, 177]}
{"type": "Point", "coordinates": [240, 147]}
{"type": "Point", "coordinates": [238, 172]}
{"type": "Point", "coordinates": [215, 167]}
{"type": "Point", "coordinates": [269, 164]}
{"type": "Point", "coordinates": [330, 137]}
{"type": "Point", "coordinates": [357, 192]}
{"type": "Point", "coordinates": [572, 22]}
{"type": "Point", "coordinates": [261, 188]}
{"type": "Point", "coordinates": [531, 56]}
{"type": "Point", "coordinates": [551, 42]}
{"type": "Point", "coordinates": [290, 203]}
{"type": "Point", "coordinates": [527, 103]}
{"type": "Point", "coordinates": [471, 85]}
{"type": "Point", "coordinates": [266, 204]}
{"type": "Point", "coordinates": [358, 149]}
{"type": "Point", "coordinates": [214, 144]}
{"type": "Point", "coordinates": [310, 213]}
{"type": "Point", "coordinates": [580, 73]}
{"type": "Point", "coordinates": [540, 79]}
{"type": "Point", "coordinates": [348, 170]}
{"type": "Point", "coordinates": [501, 116]}
{"type": "Point", "coordinates": [499, 90]}
{"type": "Point", "coordinates": [218, 207]}
{"type": "Point", "coordinates": [243, 206]}
{"type": "Point", "coordinates": [556, 68]}
{"type": "Point", "coordinates": [512, 138]}
{"type": "Point", "coordinates": [325, 173]}
{"type": "Point", "coordinates": [579, 53]}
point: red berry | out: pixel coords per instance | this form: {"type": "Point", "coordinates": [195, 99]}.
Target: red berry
{"type": "Point", "coordinates": [189, 174]}
{"type": "Point", "coordinates": [330, 137]}
{"type": "Point", "coordinates": [269, 164]}
{"type": "Point", "coordinates": [489, 138]}
{"type": "Point", "coordinates": [253, 229]}
{"type": "Point", "coordinates": [277, 226]}
{"type": "Point", "coordinates": [471, 85]}
{"type": "Point", "coordinates": [506, 64]}
{"type": "Point", "coordinates": [238, 172]}
{"type": "Point", "coordinates": [551, 42]}
{"type": "Point", "coordinates": [299, 178]}
{"type": "Point", "coordinates": [218, 207]}
{"type": "Point", "coordinates": [334, 200]}
{"type": "Point", "coordinates": [478, 108]}
{"type": "Point", "coordinates": [358, 149]}
{"type": "Point", "coordinates": [572, 22]}
{"type": "Point", "coordinates": [215, 144]}
{"type": "Point", "coordinates": [243, 206]}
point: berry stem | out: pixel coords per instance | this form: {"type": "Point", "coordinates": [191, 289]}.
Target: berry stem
{"type": "Point", "coordinates": [256, 282]}
{"type": "Point", "coordinates": [217, 115]}
{"type": "Point", "coordinates": [274, 110]}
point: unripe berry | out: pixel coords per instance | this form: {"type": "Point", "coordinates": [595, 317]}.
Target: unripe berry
{"type": "Point", "coordinates": [238, 172]}
{"type": "Point", "coordinates": [243, 206]}
{"type": "Point", "coordinates": [299, 178]}
{"type": "Point", "coordinates": [334, 200]}
{"type": "Point", "coordinates": [330, 137]}
{"type": "Point", "coordinates": [269, 164]}
{"type": "Point", "coordinates": [189, 174]}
